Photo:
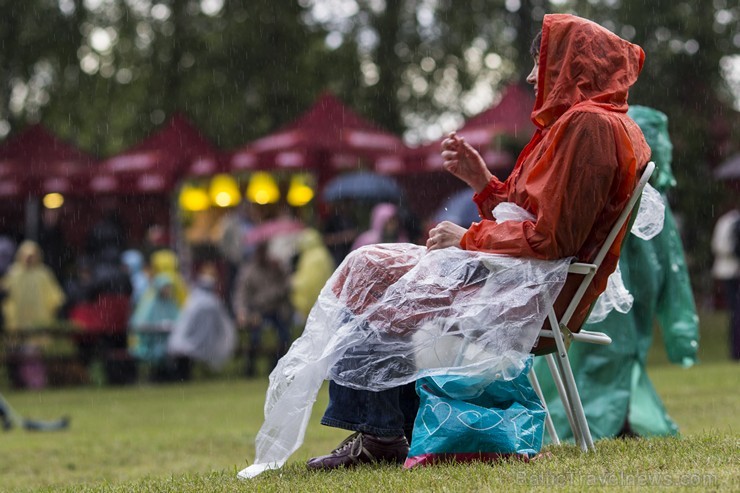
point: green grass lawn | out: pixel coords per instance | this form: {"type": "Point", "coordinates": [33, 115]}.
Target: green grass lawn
{"type": "Point", "coordinates": [196, 436]}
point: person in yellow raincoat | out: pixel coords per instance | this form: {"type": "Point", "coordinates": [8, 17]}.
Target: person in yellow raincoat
{"type": "Point", "coordinates": [33, 293]}
{"type": "Point", "coordinates": [315, 265]}
{"type": "Point", "coordinates": [32, 298]}
{"type": "Point", "coordinates": [164, 261]}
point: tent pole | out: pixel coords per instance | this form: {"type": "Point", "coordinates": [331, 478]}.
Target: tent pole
{"type": "Point", "coordinates": [32, 218]}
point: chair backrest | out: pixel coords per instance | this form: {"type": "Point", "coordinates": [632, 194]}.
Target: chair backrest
{"type": "Point", "coordinates": [636, 195]}
{"type": "Point", "coordinates": [601, 254]}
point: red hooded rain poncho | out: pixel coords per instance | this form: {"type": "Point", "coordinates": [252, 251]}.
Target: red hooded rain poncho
{"type": "Point", "coordinates": [393, 313]}
{"type": "Point", "coordinates": [577, 172]}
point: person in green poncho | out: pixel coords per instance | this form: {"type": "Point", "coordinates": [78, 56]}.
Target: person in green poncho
{"type": "Point", "coordinates": [617, 395]}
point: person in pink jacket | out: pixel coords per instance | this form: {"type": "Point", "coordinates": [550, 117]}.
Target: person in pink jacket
{"type": "Point", "coordinates": [385, 227]}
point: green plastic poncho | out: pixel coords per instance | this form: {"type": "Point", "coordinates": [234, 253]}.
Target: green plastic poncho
{"type": "Point", "coordinates": [612, 380]}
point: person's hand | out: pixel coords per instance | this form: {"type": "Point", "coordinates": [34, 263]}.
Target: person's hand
{"type": "Point", "coordinates": [460, 159]}
{"type": "Point", "coordinates": [445, 235]}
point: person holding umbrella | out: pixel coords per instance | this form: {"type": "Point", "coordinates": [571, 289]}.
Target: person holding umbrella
{"type": "Point", "coordinates": [346, 194]}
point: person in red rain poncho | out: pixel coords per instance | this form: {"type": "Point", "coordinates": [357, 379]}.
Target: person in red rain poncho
{"type": "Point", "coordinates": [575, 176]}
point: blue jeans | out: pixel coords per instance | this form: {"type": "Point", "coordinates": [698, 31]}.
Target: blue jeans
{"type": "Point", "coordinates": [387, 413]}
{"type": "Point", "coordinates": [281, 325]}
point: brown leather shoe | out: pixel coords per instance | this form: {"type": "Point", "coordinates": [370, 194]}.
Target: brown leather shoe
{"type": "Point", "coordinates": [363, 449]}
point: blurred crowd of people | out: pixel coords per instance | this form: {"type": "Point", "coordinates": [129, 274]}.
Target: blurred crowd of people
{"type": "Point", "coordinates": [130, 307]}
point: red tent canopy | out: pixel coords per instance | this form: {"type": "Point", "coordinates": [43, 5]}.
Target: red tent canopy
{"type": "Point", "coordinates": [510, 117]}
{"type": "Point", "coordinates": [329, 136]}
{"type": "Point", "coordinates": [156, 164]}
{"type": "Point", "coordinates": [35, 162]}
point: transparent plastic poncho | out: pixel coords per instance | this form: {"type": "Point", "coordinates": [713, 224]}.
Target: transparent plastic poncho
{"type": "Point", "coordinates": [392, 313]}
{"type": "Point", "coordinates": [647, 224]}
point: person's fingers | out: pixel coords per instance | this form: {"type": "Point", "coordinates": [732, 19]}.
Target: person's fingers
{"type": "Point", "coordinates": [452, 139]}
{"type": "Point", "coordinates": [431, 243]}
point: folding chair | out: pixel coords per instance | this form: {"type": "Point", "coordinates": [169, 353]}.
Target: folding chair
{"type": "Point", "coordinates": [557, 361]}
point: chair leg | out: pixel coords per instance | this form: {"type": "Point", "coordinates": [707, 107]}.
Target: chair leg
{"type": "Point", "coordinates": [586, 442]}
{"type": "Point", "coordinates": [548, 420]}
{"type": "Point", "coordinates": [555, 373]}
{"type": "Point", "coordinates": [574, 422]}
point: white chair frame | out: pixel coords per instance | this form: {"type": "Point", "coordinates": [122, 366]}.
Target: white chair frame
{"type": "Point", "coordinates": [558, 362]}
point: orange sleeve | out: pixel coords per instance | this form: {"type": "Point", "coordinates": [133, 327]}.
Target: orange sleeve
{"type": "Point", "coordinates": [567, 185]}
{"type": "Point", "coordinates": [488, 198]}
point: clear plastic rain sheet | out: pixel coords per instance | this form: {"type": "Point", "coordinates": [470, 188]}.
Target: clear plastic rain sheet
{"type": "Point", "coordinates": [647, 224]}
{"type": "Point", "coordinates": [393, 313]}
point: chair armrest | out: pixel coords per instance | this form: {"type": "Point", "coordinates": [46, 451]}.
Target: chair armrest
{"type": "Point", "coordinates": [592, 337]}
{"type": "Point", "coordinates": [588, 336]}
{"type": "Point", "coordinates": [581, 268]}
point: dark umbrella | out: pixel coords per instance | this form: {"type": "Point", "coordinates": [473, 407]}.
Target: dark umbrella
{"type": "Point", "coordinates": [730, 169]}
{"type": "Point", "coordinates": [362, 185]}
{"type": "Point", "coordinates": [459, 209]}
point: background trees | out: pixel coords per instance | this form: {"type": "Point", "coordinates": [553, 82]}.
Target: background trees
{"type": "Point", "coordinates": [103, 73]}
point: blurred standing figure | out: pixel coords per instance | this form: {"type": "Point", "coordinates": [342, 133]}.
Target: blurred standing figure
{"type": "Point", "coordinates": [107, 233]}
{"type": "Point", "coordinates": [385, 227]}
{"type": "Point", "coordinates": [726, 269]}
{"type": "Point", "coordinates": [56, 251]}
{"type": "Point", "coordinates": [151, 324]}
{"type": "Point", "coordinates": [340, 230]}
{"type": "Point", "coordinates": [164, 261]}
{"type": "Point", "coordinates": [33, 298]}
{"type": "Point", "coordinates": [232, 246]}
{"type": "Point", "coordinates": [262, 296]}
{"type": "Point", "coordinates": [314, 267]}
{"type": "Point", "coordinates": [203, 330]}
{"type": "Point", "coordinates": [103, 308]}
{"type": "Point", "coordinates": [155, 314]}
{"type": "Point", "coordinates": [33, 293]}
{"type": "Point", "coordinates": [7, 250]}
{"type": "Point", "coordinates": [136, 266]}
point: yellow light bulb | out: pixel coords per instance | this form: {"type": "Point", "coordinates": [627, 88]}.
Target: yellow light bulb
{"type": "Point", "coordinates": [262, 189]}
{"type": "Point", "coordinates": [224, 191]}
{"type": "Point", "coordinates": [193, 198]}
{"type": "Point", "coordinates": [299, 193]}
{"type": "Point", "coordinates": [53, 200]}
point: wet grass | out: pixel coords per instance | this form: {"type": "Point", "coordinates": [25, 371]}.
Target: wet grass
{"type": "Point", "coordinates": [196, 436]}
